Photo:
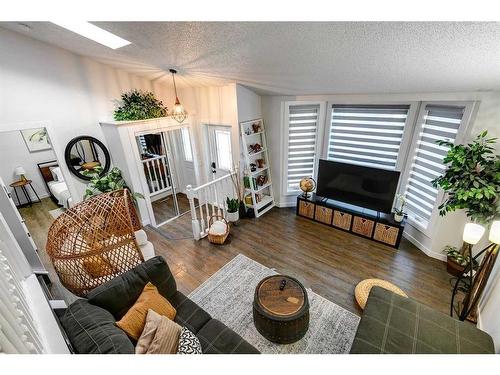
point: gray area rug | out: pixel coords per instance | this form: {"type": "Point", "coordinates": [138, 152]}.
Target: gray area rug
{"type": "Point", "coordinates": [228, 296]}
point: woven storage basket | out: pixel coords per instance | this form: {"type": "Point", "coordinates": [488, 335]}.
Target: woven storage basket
{"type": "Point", "coordinates": [94, 241]}
{"type": "Point", "coordinates": [217, 239]}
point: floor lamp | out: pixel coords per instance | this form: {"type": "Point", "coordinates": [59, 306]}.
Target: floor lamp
{"type": "Point", "coordinates": [479, 279]}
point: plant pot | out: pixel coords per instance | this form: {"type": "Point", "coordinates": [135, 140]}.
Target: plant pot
{"type": "Point", "coordinates": [233, 217]}
{"type": "Point", "coordinates": [398, 218]}
{"type": "Point", "coordinates": [453, 267]}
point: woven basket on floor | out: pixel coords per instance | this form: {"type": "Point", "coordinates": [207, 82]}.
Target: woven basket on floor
{"type": "Point", "coordinates": [94, 241]}
{"type": "Point", "coordinates": [217, 239]}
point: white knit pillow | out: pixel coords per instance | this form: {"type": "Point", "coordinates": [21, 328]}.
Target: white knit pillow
{"type": "Point", "coordinates": [218, 227]}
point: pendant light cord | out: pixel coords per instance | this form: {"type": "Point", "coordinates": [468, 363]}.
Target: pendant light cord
{"type": "Point", "coordinates": [173, 71]}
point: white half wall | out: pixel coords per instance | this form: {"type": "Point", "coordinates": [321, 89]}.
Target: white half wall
{"type": "Point", "coordinates": [41, 82]}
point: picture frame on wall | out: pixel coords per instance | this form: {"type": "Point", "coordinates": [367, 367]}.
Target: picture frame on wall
{"type": "Point", "coordinates": [36, 139]}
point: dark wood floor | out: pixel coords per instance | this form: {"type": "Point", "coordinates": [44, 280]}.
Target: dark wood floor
{"type": "Point", "coordinates": [329, 261]}
{"type": "Point", "coordinates": [164, 208]}
{"type": "Point", "coordinates": [38, 221]}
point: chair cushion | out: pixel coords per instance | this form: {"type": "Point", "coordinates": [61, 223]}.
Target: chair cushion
{"type": "Point", "coordinates": [216, 338]}
{"type": "Point", "coordinates": [394, 324]}
{"type": "Point", "coordinates": [189, 314]}
{"type": "Point", "coordinates": [134, 320]}
{"type": "Point", "coordinates": [120, 293]}
{"type": "Point", "coordinates": [92, 330]}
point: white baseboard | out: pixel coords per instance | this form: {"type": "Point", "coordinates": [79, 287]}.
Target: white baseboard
{"type": "Point", "coordinates": [422, 247]}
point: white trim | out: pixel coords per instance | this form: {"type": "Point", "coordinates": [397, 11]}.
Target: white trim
{"type": "Point", "coordinates": [422, 247]}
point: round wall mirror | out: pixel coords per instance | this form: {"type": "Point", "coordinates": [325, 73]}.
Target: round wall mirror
{"type": "Point", "coordinates": [85, 153]}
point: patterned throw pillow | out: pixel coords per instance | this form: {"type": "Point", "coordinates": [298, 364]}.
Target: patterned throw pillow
{"type": "Point", "coordinates": [188, 343]}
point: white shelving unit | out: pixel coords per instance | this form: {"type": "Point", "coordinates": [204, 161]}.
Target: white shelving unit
{"type": "Point", "coordinates": [262, 195]}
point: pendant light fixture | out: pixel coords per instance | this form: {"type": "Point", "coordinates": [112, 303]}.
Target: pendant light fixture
{"type": "Point", "coordinates": [178, 113]}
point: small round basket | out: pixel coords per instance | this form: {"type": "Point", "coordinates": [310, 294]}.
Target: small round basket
{"type": "Point", "coordinates": [217, 239]}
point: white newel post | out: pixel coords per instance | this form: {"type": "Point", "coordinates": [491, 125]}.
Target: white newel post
{"type": "Point", "coordinates": [195, 224]}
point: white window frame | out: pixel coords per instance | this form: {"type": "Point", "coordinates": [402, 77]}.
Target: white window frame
{"type": "Point", "coordinates": [284, 146]}
{"type": "Point", "coordinates": [462, 135]}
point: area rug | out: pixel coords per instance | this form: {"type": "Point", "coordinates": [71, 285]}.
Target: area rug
{"type": "Point", "coordinates": [228, 297]}
{"type": "Point", "coordinates": [57, 212]}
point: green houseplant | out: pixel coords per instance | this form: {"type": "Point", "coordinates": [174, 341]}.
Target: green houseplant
{"type": "Point", "coordinates": [111, 181]}
{"type": "Point", "coordinates": [139, 105]}
{"type": "Point", "coordinates": [233, 206]}
{"type": "Point", "coordinates": [471, 182]}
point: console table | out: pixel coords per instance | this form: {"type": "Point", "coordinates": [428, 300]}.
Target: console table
{"type": "Point", "coordinates": [360, 221]}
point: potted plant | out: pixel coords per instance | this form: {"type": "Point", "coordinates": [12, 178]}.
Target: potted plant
{"type": "Point", "coordinates": [455, 261]}
{"type": "Point", "coordinates": [471, 181]}
{"type": "Point", "coordinates": [139, 105]}
{"type": "Point", "coordinates": [399, 211]}
{"type": "Point", "coordinates": [111, 181]}
{"type": "Point", "coordinates": [233, 207]}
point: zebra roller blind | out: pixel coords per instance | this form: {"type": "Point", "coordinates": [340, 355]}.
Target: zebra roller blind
{"type": "Point", "coordinates": [368, 135]}
{"type": "Point", "coordinates": [437, 123]}
{"type": "Point", "coordinates": [301, 149]}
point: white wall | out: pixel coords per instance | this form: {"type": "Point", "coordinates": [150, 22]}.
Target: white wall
{"type": "Point", "coordinates": [14, 153]}
{"type": "Point", "coordinates": [72, 93]}
{"type": "Point", "coordinates": [211, 106]}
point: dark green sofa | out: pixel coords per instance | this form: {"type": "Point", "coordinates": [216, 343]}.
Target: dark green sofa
{"type": "Point", "coordinates": [90, 323]}
{"type": "Point", "coordinates": [397, 325]}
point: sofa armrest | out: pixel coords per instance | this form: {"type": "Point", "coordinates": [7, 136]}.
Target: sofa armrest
{"type": "Point", "coordinates": [120, 293]}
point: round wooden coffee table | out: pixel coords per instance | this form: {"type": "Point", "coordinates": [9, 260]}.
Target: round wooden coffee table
{"type": "Point", "coordinates": [281, 309]}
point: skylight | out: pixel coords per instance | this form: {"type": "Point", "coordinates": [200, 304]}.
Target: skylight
{"type": "Point", "coordinates": [94, 33]}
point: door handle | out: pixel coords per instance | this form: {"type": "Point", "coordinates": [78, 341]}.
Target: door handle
{"type": "Point", "coordinates": [213, 167]}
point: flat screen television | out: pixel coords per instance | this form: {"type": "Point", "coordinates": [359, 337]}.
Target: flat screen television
{"type": "Point", "coordinates": [372, 188]}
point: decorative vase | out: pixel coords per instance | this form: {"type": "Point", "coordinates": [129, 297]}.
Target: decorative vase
{"type": "Point", "coordinates": [398, 218]}
{"type": "Point", "coordinates": [243, 210]}
{"type": "Point", "coordinates": [233, 216]}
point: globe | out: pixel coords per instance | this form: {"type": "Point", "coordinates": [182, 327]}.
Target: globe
{"type": "Point", "coordinates": [307, 185]}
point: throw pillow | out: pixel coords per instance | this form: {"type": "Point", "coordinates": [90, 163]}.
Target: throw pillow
{"type": "Point", "coordinates": [134, 320]}
{"type": "Point", "coordinates": [166, 339]}
{"type": "Point", "coordinates": [98, 266]}
{"type": "Point", "coordinates": [148, 334]}
{"type": "Point", "coordinates": [218, 227]}
{"type": "Point", "coordinates": [188, 343]}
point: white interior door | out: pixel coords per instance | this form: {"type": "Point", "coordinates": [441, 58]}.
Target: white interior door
{"type": "Point", "coordinates": [220, 153]}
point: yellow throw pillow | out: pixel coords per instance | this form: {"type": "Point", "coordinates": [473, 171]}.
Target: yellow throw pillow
{"type": "Point", "coordinates": [134, 320]}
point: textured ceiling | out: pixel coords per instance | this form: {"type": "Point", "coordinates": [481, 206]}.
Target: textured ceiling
{"type": "Point", "coordinates": [300, 57]}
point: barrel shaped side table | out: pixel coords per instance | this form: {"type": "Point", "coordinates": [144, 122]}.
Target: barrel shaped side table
{"type": "Point", "coordinates": [281, 309]}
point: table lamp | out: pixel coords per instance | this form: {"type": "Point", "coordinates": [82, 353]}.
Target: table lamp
{"type": "Point", "coordinates": [21, 173]}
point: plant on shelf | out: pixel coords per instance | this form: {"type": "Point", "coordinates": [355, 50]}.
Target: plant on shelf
{"type": "Point", "coordinates": [111, 181]}
{"type": "Point", "coordinates": [233, 206]}
{"type": "Point", "coordinates": [399, 213]}
{"type": "Point", "coordinates": [456, 261]}
{"type": "Point", "coordinates": [139, 105]}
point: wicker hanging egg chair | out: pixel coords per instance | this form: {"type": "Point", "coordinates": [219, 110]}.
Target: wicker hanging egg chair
{"type": "Point", "coordinates": [94, 241]}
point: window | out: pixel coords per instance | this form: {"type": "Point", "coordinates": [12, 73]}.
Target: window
{"type": "Point", "coordinates": [223, 147]}
{"type": "Point", "coordinates": [368, 135]}
{"type": "Point", "coordinates": [186, 145]}
{"type": "Point", "coordinates": [436, 122]}
{"type": "Point", "coordinates": [301, 146]}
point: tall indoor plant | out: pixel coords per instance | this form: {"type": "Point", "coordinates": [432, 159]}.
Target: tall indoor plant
{"type": "Point", "coordinates": [471, 180]}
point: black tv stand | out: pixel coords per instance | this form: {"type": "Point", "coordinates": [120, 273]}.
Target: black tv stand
{"type": "Point", "coordinates": [375, 225]}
